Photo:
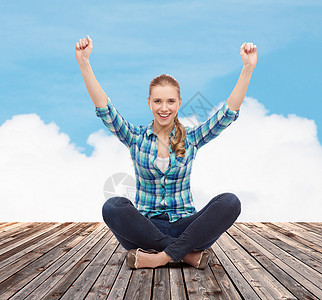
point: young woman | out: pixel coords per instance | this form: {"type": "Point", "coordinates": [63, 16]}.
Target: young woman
{"type": "Point", "coordinates": [163, 224]}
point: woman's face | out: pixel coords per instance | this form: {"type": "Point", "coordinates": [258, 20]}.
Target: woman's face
{"type": "Point", "coordinates": [164, 101]}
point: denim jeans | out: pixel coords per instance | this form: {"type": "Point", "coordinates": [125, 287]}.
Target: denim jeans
{"type": "Point", "coordinates": [197, 232]}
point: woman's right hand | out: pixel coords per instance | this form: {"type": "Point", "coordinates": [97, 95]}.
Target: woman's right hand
{"type": "Point", "coordinates": [83, 48]}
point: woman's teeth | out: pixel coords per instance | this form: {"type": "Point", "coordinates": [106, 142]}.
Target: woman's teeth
{"type": "Point", "coordinates": [164, 116]}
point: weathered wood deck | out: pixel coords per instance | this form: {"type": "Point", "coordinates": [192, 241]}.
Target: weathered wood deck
{"type": "Point", "coordinates": [85, 261]}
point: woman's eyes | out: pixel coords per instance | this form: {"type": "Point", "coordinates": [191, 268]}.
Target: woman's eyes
{"type": "Point", "coordinates": [169, 101]}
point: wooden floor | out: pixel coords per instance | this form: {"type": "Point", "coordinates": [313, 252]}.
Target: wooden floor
{"type": "Point", "coordinates": [85, 261]}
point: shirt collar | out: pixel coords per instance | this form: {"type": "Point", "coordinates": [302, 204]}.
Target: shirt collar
{"type": "Point", "coordinates": [150, 131]}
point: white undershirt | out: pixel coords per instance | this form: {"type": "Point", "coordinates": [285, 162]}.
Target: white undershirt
{"type": "Point", "coordinates": [162, 163]}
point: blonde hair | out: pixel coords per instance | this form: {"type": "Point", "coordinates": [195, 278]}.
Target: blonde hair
{"type": "Point", "coordinates": [177, 144]}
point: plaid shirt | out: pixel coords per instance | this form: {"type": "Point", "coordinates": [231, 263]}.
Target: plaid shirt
{"type": "Point", "coordinates": [158, 192]}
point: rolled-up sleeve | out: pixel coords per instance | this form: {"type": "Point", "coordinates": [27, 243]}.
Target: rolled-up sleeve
{"type": "Point", "coordinates": [230, 113]}
{"type": "Point", "coordinates": [211, 128]}
{"type": "Point", "coordinates": [125, 131]}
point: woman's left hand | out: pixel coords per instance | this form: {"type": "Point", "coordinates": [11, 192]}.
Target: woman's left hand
{"type": "Point", "coordinates": [248, 53]}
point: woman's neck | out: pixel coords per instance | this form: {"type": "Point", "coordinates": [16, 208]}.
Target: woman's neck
{"type": "Point", "coordinates": [162, 131]}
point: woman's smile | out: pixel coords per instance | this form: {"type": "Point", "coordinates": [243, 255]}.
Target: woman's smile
{"type": "Point", "coordinates": [164, 116]}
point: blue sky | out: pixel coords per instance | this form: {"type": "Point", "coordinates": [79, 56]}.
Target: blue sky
{"type": "Point", "coordinates": [134, 41]}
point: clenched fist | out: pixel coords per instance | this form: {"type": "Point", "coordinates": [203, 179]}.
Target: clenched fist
{"type": "Point", "coordinates": [248, 53]}
{"type": "Point", "coordinates": [83, 48]}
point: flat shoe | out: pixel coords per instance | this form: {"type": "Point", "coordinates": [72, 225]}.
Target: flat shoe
{"type": "Point", "coordinates": [203, 260]}
{"type": "Point", "coordinates": [132, 256]}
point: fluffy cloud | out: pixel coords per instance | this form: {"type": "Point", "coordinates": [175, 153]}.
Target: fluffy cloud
{"type": "Point", "coordinates": [45, 178]}
{"type": "Point", "coordinates": [271, 162]}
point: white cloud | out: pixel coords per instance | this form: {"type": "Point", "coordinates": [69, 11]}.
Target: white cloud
{"type": "Point", "coordinates": [45, 178]}
{"type": "Point", "coordinates": [272, 163]}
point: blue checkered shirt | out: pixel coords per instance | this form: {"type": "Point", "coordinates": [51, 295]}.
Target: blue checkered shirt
{"type": "Point", "coordinates": [168, 192]}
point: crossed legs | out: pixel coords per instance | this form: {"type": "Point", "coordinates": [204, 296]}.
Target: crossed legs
{"type": "Point", "coordinates": [199, 231]}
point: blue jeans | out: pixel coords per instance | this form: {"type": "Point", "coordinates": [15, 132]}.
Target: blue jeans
{"type": "Point", "coordinates": [199, 231]}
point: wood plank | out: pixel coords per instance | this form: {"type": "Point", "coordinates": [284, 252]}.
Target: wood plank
{"type": "Point", "coordinates": [265, 285]}
{"type": "Point", "coordinates": [201, 284]}
{"type": "Point", "coordinates": [310, 229]}
{"type": "Point", "coordinates": [306, 253]}
{"type": "Point", "coordinates": [24, 257]}
{"type": "Point", "coordinates": [8, 224]}
{"type": "Point", "coordinates": [161, 283]}
{"type": "Point", "coordinates": [302, 244]}
{"type": "Point", "coordinates": [140, 284]}
{"type": "Point", "coordinates": [177, 284]}
{"type": "Point", "coordinates": [270, 260]}
{"type": "Point", "coordinates": [287, 244]}
{"type": "Point", "coordinates": [307, 232]}
{"type": "Point", "coordinates": [8, 231]}
{"type": "Point", "coordinates": [20, 241]}
{"type": "Point", "coordinates": [285, 275]}
{"type": "Point", "coordinates": [41, 285]}
{"type": "Point", "coordinates": [122, 280]}
{"type": "Point", "coordinates": [298, 234]}
{"type": "Point", "coordinates": [316, 225]}
{"type": "Point", "coordinates": [291, 265]}
{"type": "Point", "coordinates": [87, 253]}
{"type": "Point", "coordinates": [228, 290]}
{"type": "Point", "coordinates": [319, 224]}
{"type": "Point", "coordinates": [53, 250]}
{"type": "Point", "coordinates": [18, 234]}
{"type": "Point", "coordinates": [244, 288]}
{"type": "Point", "coordinates": [112, 270]}
{"type": "Point", "coordinates": [82, 285]}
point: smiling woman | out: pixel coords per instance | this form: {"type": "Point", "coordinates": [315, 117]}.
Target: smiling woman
{"type": "Point", "coordinates": [163, 223]}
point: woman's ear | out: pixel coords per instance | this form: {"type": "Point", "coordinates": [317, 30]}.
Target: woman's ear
{"type": "Point", "coordinates": [180, 102]}
{"type": "Point", "coordinates": [149, 102]}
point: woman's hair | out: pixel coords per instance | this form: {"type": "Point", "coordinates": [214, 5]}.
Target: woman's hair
{"type": "Point", "coordinates": [180, 133]}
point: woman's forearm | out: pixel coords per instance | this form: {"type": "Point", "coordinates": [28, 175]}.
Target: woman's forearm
{"type": "Point", "coordinates": [94, 89]}
{"type": "Point", "coordinates": [237, 96]}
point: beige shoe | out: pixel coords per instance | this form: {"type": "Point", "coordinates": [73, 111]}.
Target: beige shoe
{"type": "Point", "coordinates": [204, 258]}
{"type": "Point", "coordinates": [132, 256]}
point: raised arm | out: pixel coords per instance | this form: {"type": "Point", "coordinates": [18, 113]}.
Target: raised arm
{"type": "Point", "coordinates": [229, 112]}
{"type": "Point", "coordinates": [125, 131]}
{"type": "Point", "coordinates": [83, 50]}
{"type": "Point", "coordinates": [248, 53]}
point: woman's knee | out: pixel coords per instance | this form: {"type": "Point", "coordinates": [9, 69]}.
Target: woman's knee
{"type": "Point", "coordinates": [113, 205]}
{"type": "Point", "coordinates": [233, 201]}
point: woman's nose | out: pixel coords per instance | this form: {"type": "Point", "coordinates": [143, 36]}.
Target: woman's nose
{"type": "Point", "coordinates": [164, 107]}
